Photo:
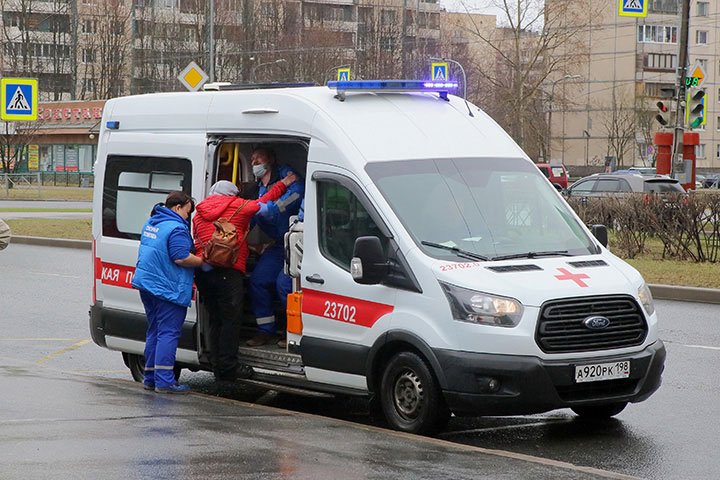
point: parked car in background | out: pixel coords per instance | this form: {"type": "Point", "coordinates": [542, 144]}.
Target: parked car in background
{"type": "Point", "coordinates": [642, 170]}
{"type": "Point", "coordinates": [603, 184]}
{"type": "Point", "coordinates": [699, 179]}
{"type": "Point", "coordinates": [556, 174]}
{"type": "Point", "coordinates": [712, 181]}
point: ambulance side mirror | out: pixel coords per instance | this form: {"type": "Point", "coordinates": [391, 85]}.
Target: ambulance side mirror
{"type": "Point", "coordinates": [368, 265]}
{"type": "Point", "coordinates": [600, 232]}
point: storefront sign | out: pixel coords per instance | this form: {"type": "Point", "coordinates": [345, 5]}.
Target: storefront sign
{"type": "Point", "coordinates": [68, 114]}
{"type": "Point", "coordinates": [33, 157]}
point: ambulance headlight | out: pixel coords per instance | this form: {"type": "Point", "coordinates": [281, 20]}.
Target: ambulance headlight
{"type": "Point", "coordinates": [478, 307]}
{"type": "Point", "coordinates": [646, 299]}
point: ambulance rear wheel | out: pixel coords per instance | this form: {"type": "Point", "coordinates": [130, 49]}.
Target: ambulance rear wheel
{"type": "Point", "coordinates": [136, 364]}
{"type": "Point", "coordinates": [410, 396]}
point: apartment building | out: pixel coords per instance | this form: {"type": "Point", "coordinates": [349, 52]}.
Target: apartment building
{"type": "Point", "coordinates": [89, 49]}
{"type": "Point", "coordinates": [628, 65]}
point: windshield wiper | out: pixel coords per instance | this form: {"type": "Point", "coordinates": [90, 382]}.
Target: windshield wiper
{"type": "Point", "coordinates": [562, 253]}
{"type": "Point", "coordinates": [457, 251]}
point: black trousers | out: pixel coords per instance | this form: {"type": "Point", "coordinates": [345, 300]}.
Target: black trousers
{"type": "Point", "coordinates": [221, 291]}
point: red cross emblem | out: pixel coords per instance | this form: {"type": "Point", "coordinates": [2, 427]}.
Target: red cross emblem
{"type": "Point", "coordinates": [577, 278]}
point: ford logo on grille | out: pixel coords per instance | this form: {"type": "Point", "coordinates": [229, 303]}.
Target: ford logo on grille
{"type": "Point", "coordinates": [596, 322]}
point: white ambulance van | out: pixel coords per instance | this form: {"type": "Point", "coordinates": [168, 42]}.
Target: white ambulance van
{"type": "Point", "coordinates": [436, 271]}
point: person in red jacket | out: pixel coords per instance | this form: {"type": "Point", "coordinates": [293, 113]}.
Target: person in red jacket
{"type": "Point", "coordinates": [221, 289]}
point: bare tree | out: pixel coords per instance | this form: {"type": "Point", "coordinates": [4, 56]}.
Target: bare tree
{"type": "Point", "coordinates": [105, 75]}
{"type": "Point", "coordinates": [541, 40]}
{"type": "Point", "coordinates": [619, 120]}
{"type": "Point", "coordinates": [379, 40]}
{"type": "Point", "coordinates": [14, 139]}
{"type": "Point", "coordinates": [29, 52]}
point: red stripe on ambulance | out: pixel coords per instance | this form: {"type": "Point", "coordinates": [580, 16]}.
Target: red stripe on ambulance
{"type": "Point", "coordinates": [343, 309]}
{"type": "Point", "coordinates": [117, 275]}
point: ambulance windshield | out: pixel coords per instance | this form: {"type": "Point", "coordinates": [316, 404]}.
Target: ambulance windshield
{"type": "Point", "coordinates": [487, 207]}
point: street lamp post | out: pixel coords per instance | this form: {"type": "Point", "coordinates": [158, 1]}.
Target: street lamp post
{"type": "Point", "coordinates": [550, 102]}
{"type": "Point", "coordinates": [254, 68]}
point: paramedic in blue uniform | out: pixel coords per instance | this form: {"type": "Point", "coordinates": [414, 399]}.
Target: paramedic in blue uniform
{"type": "Point", "coordinates": [268, 278]}
{"type": "Point", "coordinates": [164, 275]}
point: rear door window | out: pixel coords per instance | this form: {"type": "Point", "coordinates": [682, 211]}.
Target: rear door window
{"type": "Point", "coordinates": [607, 185]}
{"type": "Point", "coordinates": [662, 187]}
{"type": "Point", "coordinates": [133, 185]}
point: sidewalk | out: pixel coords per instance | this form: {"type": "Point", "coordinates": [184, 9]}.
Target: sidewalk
{"type": "Point", "coordinates": [57, 425]}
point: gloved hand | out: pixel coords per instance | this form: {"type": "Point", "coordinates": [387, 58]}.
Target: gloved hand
{"type": "Point", "coordinates": [263, 209]}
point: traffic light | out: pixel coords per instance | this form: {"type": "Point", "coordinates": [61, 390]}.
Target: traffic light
{"type": "Point", "coordinates": [663, 117]}
{"type": "Point", "coordinates": [696, 107]}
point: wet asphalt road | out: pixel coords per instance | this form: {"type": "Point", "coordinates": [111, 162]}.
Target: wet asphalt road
{"type": "Point", "coordinates": [45, 292]}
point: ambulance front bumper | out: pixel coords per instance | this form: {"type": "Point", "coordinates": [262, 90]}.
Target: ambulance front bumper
{"type": "Point", "coordinates": [488, 384]}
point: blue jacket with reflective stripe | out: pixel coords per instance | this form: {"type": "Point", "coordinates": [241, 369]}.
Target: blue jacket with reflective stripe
{"type": "Point", "coordinates": [275, 221]}
{"type": "Point", "coordinates": [155, 271]}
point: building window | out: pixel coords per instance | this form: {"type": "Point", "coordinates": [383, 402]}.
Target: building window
{"type": "Point", "coordinates": [661, 61]}
{"type": "Point", "coordinates": [657, 34]}
{"type": "Point", "coordinates": [703, 8]}
{"type": "Point", "coordinates": [660, 90]}
{"type": "Point", "coordinates": [89, 85]}
{"type": "Point", "coordinates": [718, 151]}
{"type": "Point", "coordinates": [703, 63]}
{"type": "Point", "coordinates": [88, 55]}
{"type": "Point", "coordinates": [663, 6]}
{"type": "Point", "coordinates": [701, 37]}
{"type": "Point", "coordinates": [89, 26]}
{"type": "Point", "coordinates": [387, 43]}
{"type": "Point", "coordinates": [388, 17]}
{"type": "Point", "coordinates": [700, 151]}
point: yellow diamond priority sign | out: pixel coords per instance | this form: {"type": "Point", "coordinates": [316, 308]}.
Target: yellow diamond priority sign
{"type": "Point", "coordinates": [697, 76]}
{"type": "Point", "coordinates": [193, 77]}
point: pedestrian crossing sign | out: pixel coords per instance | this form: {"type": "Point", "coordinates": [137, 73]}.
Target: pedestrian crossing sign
{"type": "Point", "coordinates": [343, 75]}
{"type": "Point", "coordinates": [18, 98]}
{"type": "Point", "coordinates": [439, 72]}
{"type": "Point", "coordinates": [633, 8]}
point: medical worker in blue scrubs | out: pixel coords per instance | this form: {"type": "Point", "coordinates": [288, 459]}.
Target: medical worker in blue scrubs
{"type": "Point", "coordinates": [164, 276]}
{"type": "Point", "coordinates": [268, 278]}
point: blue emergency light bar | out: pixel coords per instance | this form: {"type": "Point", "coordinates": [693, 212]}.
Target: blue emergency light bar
{"type": "Point", "coordinates": [392, 86]}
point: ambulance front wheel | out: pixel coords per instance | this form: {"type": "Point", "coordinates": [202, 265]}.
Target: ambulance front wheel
{"type": "Point", "coordinates": [410, 396]}
{"type": "Point", "coordinates": [136, 364]}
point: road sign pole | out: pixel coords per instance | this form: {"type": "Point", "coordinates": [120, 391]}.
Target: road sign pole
{"type": "Point", "coordinates": [680, 81]}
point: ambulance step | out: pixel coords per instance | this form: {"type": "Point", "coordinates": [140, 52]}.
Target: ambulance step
{"type": "Point", "coordinates": [271, 353]}
{"type": "Point", "coordinates": [282, 388]}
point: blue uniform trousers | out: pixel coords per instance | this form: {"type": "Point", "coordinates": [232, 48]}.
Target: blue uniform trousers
{"type": "Point", "coordinates": [165, 322]}
{"type": "Point", "coordinates": [267, 279]}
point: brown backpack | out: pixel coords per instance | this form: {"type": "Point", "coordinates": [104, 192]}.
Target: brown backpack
{"type": "Point", "coordinates": [223, 248]}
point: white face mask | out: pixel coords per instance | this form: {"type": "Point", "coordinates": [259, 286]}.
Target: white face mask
{"type": "Point", "coordinates": [259, 170]}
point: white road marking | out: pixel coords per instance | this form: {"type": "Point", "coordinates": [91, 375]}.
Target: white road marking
{"type": "Point", "coordinates": [706, 347]}
{"type": "Point", "coordinates": [54, 274]}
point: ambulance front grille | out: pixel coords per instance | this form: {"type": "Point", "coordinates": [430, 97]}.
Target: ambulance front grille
{"type": "Point", "coordinates": [561, 329]}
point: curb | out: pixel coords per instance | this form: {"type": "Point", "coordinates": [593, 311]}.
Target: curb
{"type": "Point", "coordinates": [685, 294]}
{"type": "Point", "coordinates": [51, 242]}
{"type": "Point", "coordinates": [659, 292]}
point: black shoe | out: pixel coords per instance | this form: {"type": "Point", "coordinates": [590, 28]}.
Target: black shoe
{"type": "Point", "coordinates": [244, 371]}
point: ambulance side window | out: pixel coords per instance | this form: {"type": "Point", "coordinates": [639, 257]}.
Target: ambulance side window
{"type": "Point", "coordinates": [133, 185]}
{"type": "Point", "coordinates": [341, 219]}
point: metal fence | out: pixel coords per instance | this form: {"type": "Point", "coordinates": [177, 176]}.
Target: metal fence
{"type": "Point", "coordinates": [39, 179]}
